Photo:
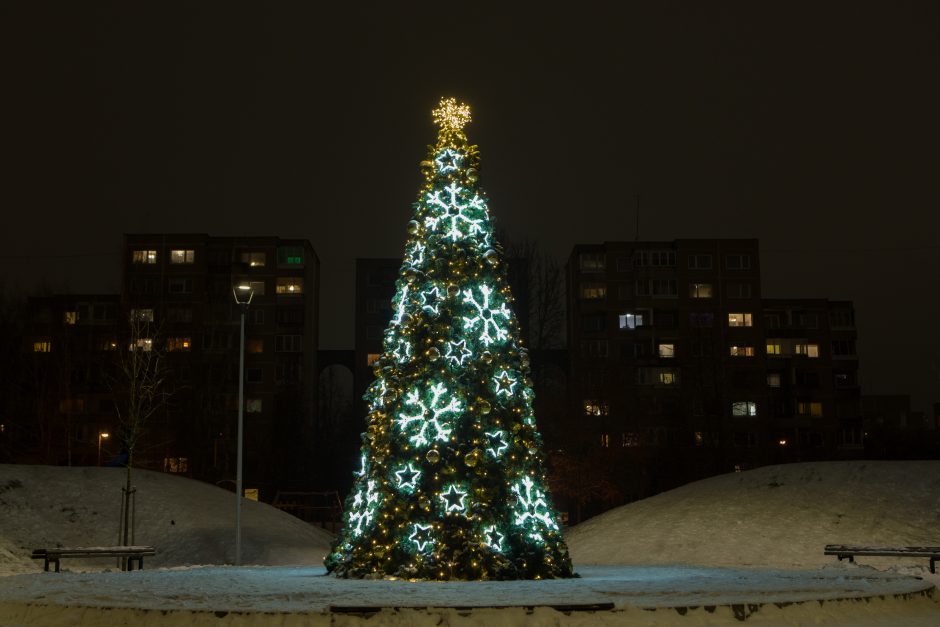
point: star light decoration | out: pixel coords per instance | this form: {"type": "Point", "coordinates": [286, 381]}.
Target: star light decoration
{"type": "Point", "coordinates": [415, 254]}
{"type": "Point", "coordinates": [451, 115]}
{"type": "Point", "coordinates": [533, 511]}
{"type": "Point", "coordinates": [408, 477]}
{"type": "Point", "coordinates": [448, 161]}
{"type": "Point", "coordinates": [493, 538]}
{"type": "Point", "coordinates": [497, 443]}
{"type": "Point", "coordinates": [437, 411]}
{"type": "Point", "coordinates": [453, 499]}
{"type": "Point", "coordinates": [431, 300]}
{"type": "Point", "coordinates": [421, 536]}
{"type": "Point", "coordinates": [457, 352]}
{"type": "Point", "coordinates": [486, 316]}
{"type": "Point", "coordinates": [505, 384]}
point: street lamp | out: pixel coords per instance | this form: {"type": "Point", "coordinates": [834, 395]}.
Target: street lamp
{"type": "Point", "coordinates": [243, 295]}
{"type": "Point", "coordinates": [102, 435]}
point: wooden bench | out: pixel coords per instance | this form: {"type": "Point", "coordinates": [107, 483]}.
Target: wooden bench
{"type": "Point", "coordinates": [849, 552]}
{"type": "Point", "coordinates": [132, 553]}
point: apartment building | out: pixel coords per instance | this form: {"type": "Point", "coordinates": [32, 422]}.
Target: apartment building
{"type": "Point", "coordinates": [680, 369]}
{"type": "Point", "coordinates": [184, 284]}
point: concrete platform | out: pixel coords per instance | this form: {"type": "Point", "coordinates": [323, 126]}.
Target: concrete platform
{"type": "Point", "coordinates": [608, 594]}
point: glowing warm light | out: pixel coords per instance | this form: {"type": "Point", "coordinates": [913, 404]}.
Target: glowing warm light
{"type": "Point", "coordinates": [451, 115]}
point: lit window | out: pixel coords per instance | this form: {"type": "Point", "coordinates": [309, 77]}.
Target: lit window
{"type": "Point", "coordinates": [593, 407]}
{"type": "Point", "coordinates": [108, 345]}
{"type": "Point", "coordinates": [254, 345]}
{"type": "Point", "coordinates": [592, 262]}
{"type": "Point", "coordinates": [175, 464]}
{"type": "Point", "coordinates": [592, 291]}
{"type": "Point", "coordinates": [142, 315]}
{"type": "Point", "coordinates": [178, 344]}
{"type": "Point", "coordinates": [290, 256]}
{"type": "Point", "coordinates": [253, 405]}
{"type": "Point", "coordinates": [290, 285]}
{"type": "Point", "coordinates": [631, 320]}
{"type": "Point", "coordinates": [739, 350]}
{"type": "Point", "coordinates": [740, 320]}
{"type": "Point", "coordinates": [773, 348]}
{"type": "Point", "coordinates": [254, 259]}
{"type": "Point", "coordinates": [773, 379]}
{"type": "Point", "coordinates": [70, 317]}
{"type": "Point", "coordinates": [667, 350]}
{"type": "Point", "coordinates": [810, 408]}
{"type": "Point", "coordinates": [182, 256]}
{"type": "Point", "coordinates": [656, 376]}
{"type": "Point", "coordinates": [605, 440]}
{"type": "Point", "coordinates": [144, 344]}
{"type": "Point", "coordinates": [809, 350]}
{"type": "Point", "coordinates": [42, 346]}
{"type": "Point", "coordinates": [667, 377]}
{"type": "Point", "coordinates": [144, 256]}
{"type": "Point", "coordinates": [371, 358]}
{"type": "Point", "coordinates": [744, 408]}
{"type": "Point", "coordinates": [700, 290]}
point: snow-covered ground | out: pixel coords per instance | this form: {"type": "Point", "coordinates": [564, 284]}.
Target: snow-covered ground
{"type": "Point", "coordinates": [715, 548]}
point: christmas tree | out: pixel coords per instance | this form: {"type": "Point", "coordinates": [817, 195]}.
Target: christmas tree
{"type": "Point", "coordinates": [452, 483]}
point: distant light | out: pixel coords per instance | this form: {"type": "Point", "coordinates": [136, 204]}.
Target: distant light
{"type": "Point", "coordinates": [783, 442]}
{"type": "Point", "coordinates": [105, 435]}
{"type": "Point", "coordinates": [244, 288]}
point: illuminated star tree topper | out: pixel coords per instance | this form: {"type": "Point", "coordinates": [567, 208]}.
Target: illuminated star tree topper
{"type": "Point", "coordinates": [452, 483]}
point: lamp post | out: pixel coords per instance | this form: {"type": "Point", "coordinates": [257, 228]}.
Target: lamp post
{"type": "Point", "coordinates": [102, 435]}
{"type": "Point", "coordinates": [243, 294]}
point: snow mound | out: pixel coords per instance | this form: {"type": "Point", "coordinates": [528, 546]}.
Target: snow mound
{"type": "Point", "coordinates": [189, 522]}
{"type": "Point", "coordinates": [779, 516]}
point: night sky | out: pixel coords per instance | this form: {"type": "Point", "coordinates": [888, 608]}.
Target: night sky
{"type": "Point", "coordinates": [811, 126]}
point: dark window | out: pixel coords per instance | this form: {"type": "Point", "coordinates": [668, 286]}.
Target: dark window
{"type": "Point", "coordinates": [180, 286]}
{"type": "Point", "coordinates": [593, 323]}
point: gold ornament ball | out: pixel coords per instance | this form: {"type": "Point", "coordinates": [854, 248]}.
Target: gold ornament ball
{"type": "Point", "coordinates": [452, 291]}
{"type": "Point", "coordinates": [433, 456]}
{"type": "Point", "coordinates": [485, 407]}
{"type": "Point", "coordinates": [487, 357]}
{"type": "Point", "coordinates": [433, 354]}
{"type": "Point", "coordinates": [413, 227]}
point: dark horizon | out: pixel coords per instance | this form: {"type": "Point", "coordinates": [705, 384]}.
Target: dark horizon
{"type": "Point", "coordinates": [811, 128]}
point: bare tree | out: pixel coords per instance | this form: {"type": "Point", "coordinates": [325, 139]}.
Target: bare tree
{"type": "Point", "coordinates": [138, 391]}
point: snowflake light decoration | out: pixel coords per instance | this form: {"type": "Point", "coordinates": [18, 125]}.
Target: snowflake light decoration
{"type": "Point", "coordinates": [453, 212]}
{"type": "Point", "coordinates": [429, 415]}
{"type": "Point", "coordinates": [400, 307]}
{"type": "Point", "coordinates": [487, 316]}
{"type": "Point", "coordinates": [364, 507]}
{"type": "Point", "coordinates": [532, 511]}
